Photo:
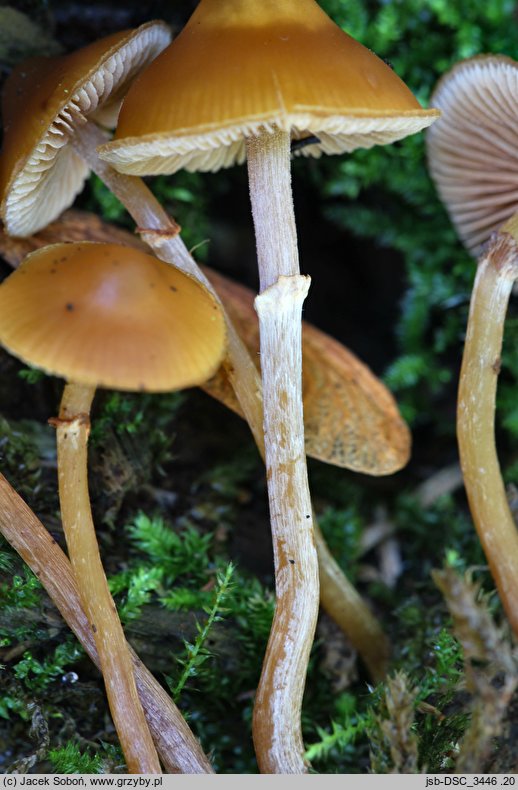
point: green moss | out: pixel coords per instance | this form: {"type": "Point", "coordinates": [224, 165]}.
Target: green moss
{"type": "Point", "coordinates": [177, 554]}
{"type": "Point", "coordinates": [70, 759]}
{"type": "Point", "coordinates": [196, 653]}
{"type": "Point", "coordinates": [38, 675]}
{"type": "Point", "coordinates": [386, 194]}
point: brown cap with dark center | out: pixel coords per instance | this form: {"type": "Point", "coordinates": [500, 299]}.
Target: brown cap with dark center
{"type": "Point", "coordinates": [43, 101]}
{"type": "Point", "coordinates": [111, 316]}
{"type": "Point", "coordinates": [473, 149]}
{"type": "Point", "coordinates": [242, 66]}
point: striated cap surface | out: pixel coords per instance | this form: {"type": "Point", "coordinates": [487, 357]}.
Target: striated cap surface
{"type": "Point", "coordinates": [240, 66]}
{"type": "Point", "coordinates": [111, 316]}
{"type": "Point", "coordinates": [43, 101]}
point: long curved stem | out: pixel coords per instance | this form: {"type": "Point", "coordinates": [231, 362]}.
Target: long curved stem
{"type": "Point", "coordinates": [344, 604]}
{"type": "Point", "coordinates": [179, 750]}
{"type": "Point", "coordinates": [277, 725]}
{"type": "Point", "coordinates": [338, 596]}
{"type": "Point", "coordinates": [497, 271]}
{"type": "Point", "coordinates": [73, 427]}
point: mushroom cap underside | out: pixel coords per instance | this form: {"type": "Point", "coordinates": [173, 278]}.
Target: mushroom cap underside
{"type": "Point", "coordinates": [240, 68]}
{"type": "Point", "coordinates": [43, 101]}
{"type": "Point", "coordinates": [106, 315]}
{"type": "Point", "coordinates": [473, 149]}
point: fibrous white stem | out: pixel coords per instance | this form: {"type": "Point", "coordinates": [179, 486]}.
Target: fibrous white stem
{"type": "Point", "coordinates": [277, 727]}
{"type": "Point", "coordinates": [339, 597]}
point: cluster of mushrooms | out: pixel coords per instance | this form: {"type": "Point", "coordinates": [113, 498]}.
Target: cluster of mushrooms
{"type": "Point", "coordinates": [231, 87]}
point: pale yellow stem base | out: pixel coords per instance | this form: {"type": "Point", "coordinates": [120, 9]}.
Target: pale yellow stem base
{"type": "Point", "coordinates": [73, 427]}
{"type": "Point", "coordinates": [179, 750]}
{"type": "Point", "coordinates": [497, 271]}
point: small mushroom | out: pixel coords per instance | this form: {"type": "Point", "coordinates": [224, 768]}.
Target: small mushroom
{"type": "Point", "coordinates": [244, 79]}
{"type": "Point", "coordinates": [46, 104]}
{"type": "Point", "coordinates": [473, 161]}
{"type": "Point", "coordinates": [49, 107]}
{"type": "Point", "coordinates": [109, 316]}
{"type": "Point", "coordinates": [473, 149]}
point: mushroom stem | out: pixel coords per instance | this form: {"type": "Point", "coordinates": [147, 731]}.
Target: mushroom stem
{"type": "Point", "coordinates": [73, 427]}
{"type": "Point", "coordinates": [497, 271]}
{"type": "Point", "coordinates": [276, 724]}
{"type": "Point", "coordinates": [162, 234]}
{"type": "Point", "coordinates": [345, 605]}
{"type": "Point", "coordinates": [338, 596]}
{"type": "Point", "coordinates": [269, 176]}
{"type": "Point", "coordinates": [132, 191]}
{"type": "Point", "coordinates": [177, 746]}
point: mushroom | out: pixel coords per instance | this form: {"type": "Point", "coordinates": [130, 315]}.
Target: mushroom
{"type": "Point", "coordinates": [109, 316]}
{"type": "Point", "coordinates": [45, 106]}
{"type": "Point", "coordinates": [76, 137]}
{"type": "Point", "coordinates": [473, 161]}
{"type": "Point", "coordinates": [243, 79]}
{"type": "Point", "coordinates": [351, 419]}
{"type": "Point", "coordinates": [473, 151]}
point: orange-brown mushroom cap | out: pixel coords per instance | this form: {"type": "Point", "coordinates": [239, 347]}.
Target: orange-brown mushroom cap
{"type": "Point", "coordinates": [105, 315]}
{"type": "Point", "coordinates": [351, 419]}
{"type": "Point", "coordinates": [473, 149]}
{"type": "Point", "coordinates": [43, 101]}
{"type": "Point", "coordinates": [242, 66]}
